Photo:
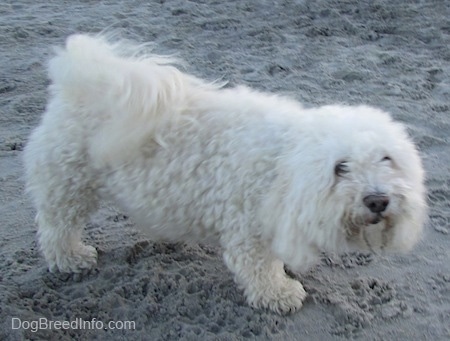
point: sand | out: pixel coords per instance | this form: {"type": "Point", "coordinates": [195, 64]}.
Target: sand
{"type": "Point", "coordinates": [389, 53]}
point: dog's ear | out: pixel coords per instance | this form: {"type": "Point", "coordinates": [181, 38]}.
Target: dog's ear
{"type": "Point", "coordinates": [301, 215]}
{"type": "Point", "coordinates": [408, 228]}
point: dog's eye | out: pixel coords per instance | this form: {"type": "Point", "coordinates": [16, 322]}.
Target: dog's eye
{"type": "Point", "coordinates": [386, 158]}
{"type": "Point", "coordinates": [341, 168]}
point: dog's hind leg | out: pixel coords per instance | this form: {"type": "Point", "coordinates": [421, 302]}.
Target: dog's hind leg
{"type": "Point", "coordinates": [61, 244]}
{"type": "Point", "coordinates": [262, 276]}
{"type": "Point", "coordinates": [64, 193]}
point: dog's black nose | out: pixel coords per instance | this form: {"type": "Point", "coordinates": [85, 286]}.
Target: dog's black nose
{"type": "Point", "coordinates": [376, 203]}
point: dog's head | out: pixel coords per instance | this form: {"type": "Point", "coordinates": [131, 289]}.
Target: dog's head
{"type": "Point", "coordinates": [360, 184]}
{"type": "Point", "coordinates": [382, 193]}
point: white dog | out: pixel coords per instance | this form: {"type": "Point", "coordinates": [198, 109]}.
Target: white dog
{"type": "Point", "coordinates": [273, 182]}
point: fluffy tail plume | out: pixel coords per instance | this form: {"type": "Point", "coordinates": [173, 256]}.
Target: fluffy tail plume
{"type": "Point", "coordinates": [132, 93]}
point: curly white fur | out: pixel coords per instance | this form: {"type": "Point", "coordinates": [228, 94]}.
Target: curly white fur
{"type": "Point", "coordinates": [191, 161]}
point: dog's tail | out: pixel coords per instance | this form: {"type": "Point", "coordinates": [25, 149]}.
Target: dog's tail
{"type": "Point", "coordinates": [131, 93]}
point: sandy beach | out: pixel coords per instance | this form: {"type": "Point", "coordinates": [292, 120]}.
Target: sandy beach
{"type": "Point", "coordinates": [391, 54]}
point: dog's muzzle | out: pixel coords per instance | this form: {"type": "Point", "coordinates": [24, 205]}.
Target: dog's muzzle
{"type": "Point", "coordinates": [376, 212]}
{"type": "Point", "coordinates": [371, 226]}
{"type": "Point", "coordinates": [377, 204]}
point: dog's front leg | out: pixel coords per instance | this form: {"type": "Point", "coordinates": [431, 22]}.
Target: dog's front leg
{"type": "Point", "coordinates": [262, 276]}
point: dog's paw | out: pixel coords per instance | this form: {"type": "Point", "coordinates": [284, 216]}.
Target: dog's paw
{"type": "Point", "coordinates": [77, 260]}
{"type": "Point", "coordinates": [286, 297]}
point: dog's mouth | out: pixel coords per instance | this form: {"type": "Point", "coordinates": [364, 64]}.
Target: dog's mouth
{"type": "Point", "coordinates": [374, 219]}
{"type": "Point", "coordinates": [354, 226]}
{"type": "Point", "coordinates": [372, 232]}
